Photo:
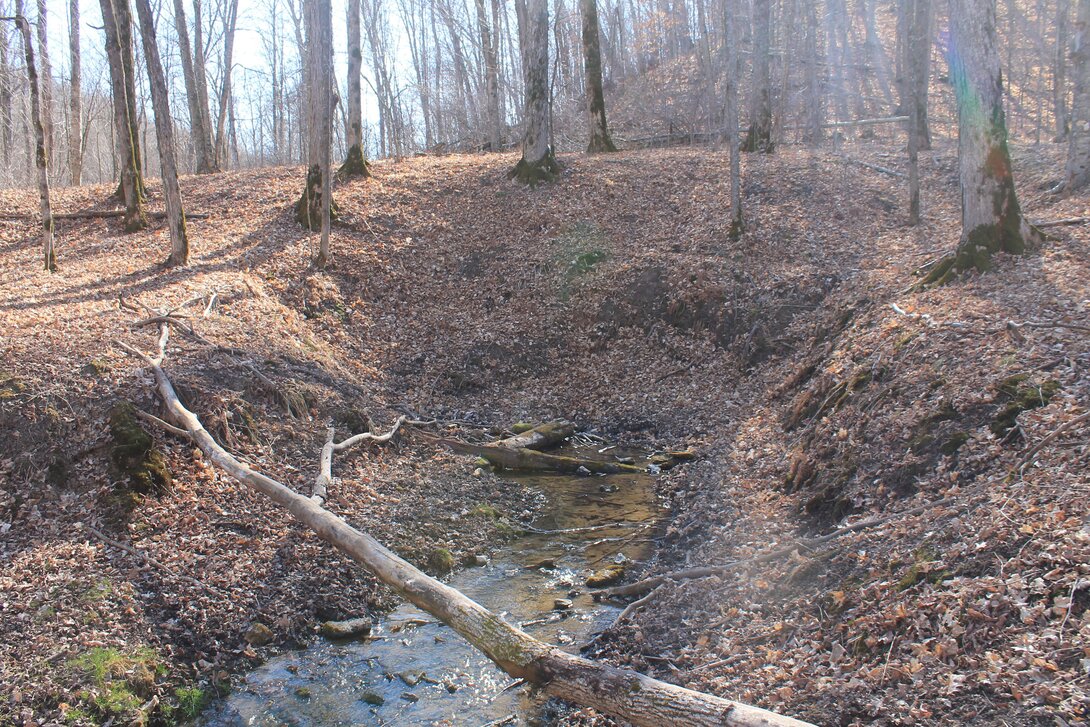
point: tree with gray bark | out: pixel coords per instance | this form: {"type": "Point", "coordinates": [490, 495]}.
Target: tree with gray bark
{"type": "Point", "coordinates": [538, 164]}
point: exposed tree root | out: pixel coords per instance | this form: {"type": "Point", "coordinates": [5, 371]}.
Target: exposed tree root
{"type": "Point", "coordinates": [534, 173]}
{"type": "Point", "coordinates": [626, 694]}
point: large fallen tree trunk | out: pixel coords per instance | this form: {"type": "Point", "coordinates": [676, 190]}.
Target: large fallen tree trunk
{"type": "Point", "coordinates": [528, 460]}
{"type": "Point", "coordinates": [543, 436]}
{"type": "Point", "coordinates": [627, 694]}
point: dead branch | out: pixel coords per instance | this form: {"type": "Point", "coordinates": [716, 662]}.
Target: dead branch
{"type": "Point", "coordinates": [640, 587]}
{"type": "Point", "coordinates": [528, 460]}
{"type": "Point", "coordinates": [872, 167]}
{"type": "Point", "coordinates": [621, 692]}
{"type": "Point", "coordinates": [1069, 424]}
{"type": "Point", "coordinates": [1048, 324]}
{"type": "Point", "coordinates": [146, 558]}
{"type": "Point", "coordinates": [98, 215]}
{"type": "Point", "coordinates": [1062, 223]}
{"type": "Point", "coordinates": [325, 461]}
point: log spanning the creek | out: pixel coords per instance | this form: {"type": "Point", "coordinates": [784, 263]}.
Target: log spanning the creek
{"type": "Point", "coordinates": [529, 460]}
{"type": "Point", "coordinates": [629, 695]}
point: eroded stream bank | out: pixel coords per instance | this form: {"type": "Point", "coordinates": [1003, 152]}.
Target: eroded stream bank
{"type": "Point", "coordinates": [416, 671]}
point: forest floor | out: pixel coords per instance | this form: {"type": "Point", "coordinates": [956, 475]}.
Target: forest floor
{"type": "Point", "coordinates": [816, 387]}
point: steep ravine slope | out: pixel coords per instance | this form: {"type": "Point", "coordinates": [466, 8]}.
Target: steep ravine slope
{"type": "Point", "coordinates": [614, 298]}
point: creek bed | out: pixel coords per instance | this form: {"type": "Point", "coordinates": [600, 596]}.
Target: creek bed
{"type": "Point", "coordinates": [416, 671]}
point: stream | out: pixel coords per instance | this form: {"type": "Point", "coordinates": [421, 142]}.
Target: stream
{"type": "Point", "coordinates": [414, 670]}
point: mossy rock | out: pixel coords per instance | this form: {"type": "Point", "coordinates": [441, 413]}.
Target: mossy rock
{"type": "Point", "coordinates": [441, 561]}
{"type": "Point", "coordinates": [1021, 397]}
{"type": "Point", "coordinates": [134, 455]}
{"type": "Point", "coordinates": [10, 385]}
{"type": "Point", "coordinates": [521, 427]}
{"type": "Point", "coordinates": [606, 576]}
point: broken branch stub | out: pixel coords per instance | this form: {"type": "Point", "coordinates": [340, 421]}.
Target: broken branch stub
{"type": "Point", "coordinates": [629, 695]}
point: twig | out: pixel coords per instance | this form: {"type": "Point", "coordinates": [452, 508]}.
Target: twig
{"type": "Point", "coordinates": [162, 424]}
{"type": "Point", "coordinates": [147, 558]}
{"type": "Point", "coordinates": [637, 604]}
{"type": "Point", "coordinates": [1048, 324]}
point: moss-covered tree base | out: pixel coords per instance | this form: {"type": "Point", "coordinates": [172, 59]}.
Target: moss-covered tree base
{"type": "Point", "coordinates": [135, 458]}
{"type": "Point", "coordinates": [534, 173]}
{"type": "Point", "coordinates": [601, 144]}
{"type": "Point", "coordinates": [737, 228]}
{"type": "Point", "coordinates": [308, 210]}
{"type": "Point", "coordinates": [355, 164]}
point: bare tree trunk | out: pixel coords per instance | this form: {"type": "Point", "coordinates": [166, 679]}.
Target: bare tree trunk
{"type": "Point", "coordinates": [7, 136]}
{"type": "Point", "coordinates": [991, 217]}
{"type": "Point", "coordinates": [164, 134]}
{"type": "Point", "coordinates": [221, 144]}
{"type": "Point", "coordinates": [876, 51]}
{"type": "Point", "coordinates": [918, 66]}
{"type": "Point", "coordinates": [198, 130]}
{"type": "Point", "coordinates": [41, 151]}
{"type": "Point", "coordinates": [592, 66]}
{"type": "Point", "coordinates": [119, 34]}
{"type": "Point", "coordinates": [759, 136]}
{"type": "Point", "coordinates": [538, 163]}
{"type": "Point", "coordinates": [355, 163]}
{"type": "Point", "coordinates": [200, 77]}
{"type": "Point", "coordinates": [490, 50]}
{"type": "Point", "coordinates": [45, 79]}
{"type": "Point", "coordinates": [626, 694]}
{"type": "Point", "coordinates": [75, 101]}
{"type": "Point", "coordinates": [316, 207]}
{"type": "Point", "coordinates": [1078, 150]}
{"type": "Point", "coordinates": [814, 101]}
{"type": "Point", "coordinates": [1059, 70]}
{"type": "Point", "coordinates": [733, 74]}
{"type": "Point", "coordinates": [912, 83]}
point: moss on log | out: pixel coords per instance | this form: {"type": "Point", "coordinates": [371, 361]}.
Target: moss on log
{"type": "Point", "coordinates": [543, 436]}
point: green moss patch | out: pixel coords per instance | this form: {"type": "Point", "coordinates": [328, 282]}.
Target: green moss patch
{"type": "Point", "coordinates": [1017, 396]}
{"type": "Point", "coordinates": [134, 455]}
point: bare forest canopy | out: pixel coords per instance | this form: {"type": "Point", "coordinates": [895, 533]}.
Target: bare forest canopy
{"type": "Point", "coordinates": [426, 69]}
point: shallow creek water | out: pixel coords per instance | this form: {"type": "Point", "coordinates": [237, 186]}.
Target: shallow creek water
{"type": "Point", "coordinates": [416, 671]}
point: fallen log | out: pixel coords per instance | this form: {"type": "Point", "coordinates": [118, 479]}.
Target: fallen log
{"type": "Point", "coordinates": [1062, 223]}
{"type": "Point", "coordinates": [543, 436]}
{"type": "Point", "coordinates": [629, 695]}
{"type": "Point", "coordinates": [99, 215]}
{"type": "Point", "coordinates": [528, 460]}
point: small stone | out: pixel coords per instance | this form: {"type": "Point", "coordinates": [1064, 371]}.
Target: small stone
{"type": "Point", "coordinates": [478, 560]}
{"type": "Point", "coordinates": [562, 604]}
{"type": "Point", "coordinates": [259, 635]}
{"type": "Point", "coordinates": [546, 564]}
{"type": "Point", "coordinates": [478, 472]}
{"type": "Point", "coordinates": [608, 488]}
{"type": "Point", "coordinates": [303, 692]}
{"type": "Point", "coordinates": [582, 471]}
{"type": "Point", "coordinates": [411, 678]}
{"type": "Point", "coordinates": [353, 628]}
{"type": "Point", "coordinates": [451, 687]}
{"type": "Point", "coordinates": [373, 698]}
{"type": "Point", "coordinates": [410, 697]}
